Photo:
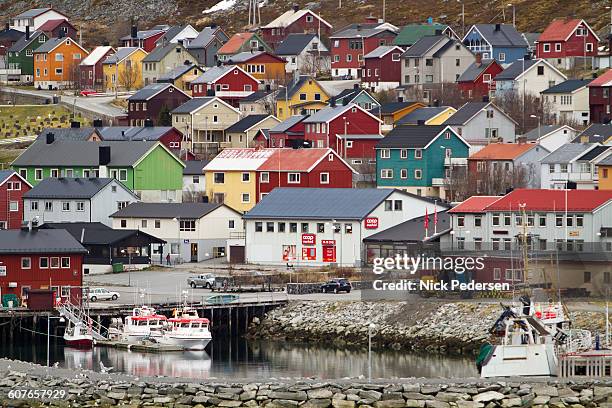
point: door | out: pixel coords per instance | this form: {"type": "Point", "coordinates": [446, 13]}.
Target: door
{"type": "Point", "coordinates": [194, 252]}
{"type": "Point", "coordinates": [236, 254]}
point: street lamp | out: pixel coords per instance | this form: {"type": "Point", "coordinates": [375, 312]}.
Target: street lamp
{"type": "Point", "coordinates": [539, 129]}
{"type": "Point", "coordinates": [513, 14]}
{"type": "Point", "coordinates": [177, 220]}
{"type": "Point", "coordinates": [371, 327]}
{"type": "Point", "coordinates": [129, 254]}
{"type": "Point", "coordinates": [49, 317]}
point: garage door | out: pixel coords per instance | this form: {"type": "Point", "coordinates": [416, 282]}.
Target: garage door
{"type": "Point", "coordinates": [237, 254]}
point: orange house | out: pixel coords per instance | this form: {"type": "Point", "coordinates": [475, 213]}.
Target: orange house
{"type": "Point", "coordinates": [56, 63]}
{"type": "Point", "coordinates": [264, 66]}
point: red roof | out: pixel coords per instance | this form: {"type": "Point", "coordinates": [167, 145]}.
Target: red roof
{"type": "Point", "coordinates": [502, 151]}
{"type": "Point", "coordinates": [50, 25]}
{"type": "Point", "coordinates": [188, 320]}
{"type": "Point", "coordinates": [301, 160]}
{"type": "Point", "coordinates": [474, 204]}
{"type": "Point", "coordinates": [552, 200]}
{"type": "Point", "coordinates": [559, 30]}
{"type": "Point", "coordinates": [603, 80]}
{"type": "Point", "coordinates": [232, 46]}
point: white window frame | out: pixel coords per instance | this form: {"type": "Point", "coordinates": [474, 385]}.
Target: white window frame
{"type": "Point", "coordinates": [264, 177]}
{"type": "Point", "coordinates": [546, 47]}
{"type": "Point", "coordinates": [418, 174]}
{"type": "Point", "coordinates": [324, 180]}
{"type": "Point", "coordinates": [296, 176]}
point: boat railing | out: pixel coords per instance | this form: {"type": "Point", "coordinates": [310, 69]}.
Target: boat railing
{"type": "Point", "coordinates": [578, 340]}
{"type": "Point", "coordinates": [77, 315]}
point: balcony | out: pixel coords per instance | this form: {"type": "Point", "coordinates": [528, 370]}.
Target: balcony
{"type": "Point", "coordinates": [480, 49]}
{"type": "Point", "coordinates": [573, 176]}
{"type": "Point", "coordinates": [233, 94]}
{"type": "Point", "coordinates": [438, 182]}
{"type": "Point", "coordinates": [455, 161]}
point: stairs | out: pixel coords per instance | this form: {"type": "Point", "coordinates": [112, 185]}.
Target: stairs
{"type": "Point", "coordinates": [77, 315]}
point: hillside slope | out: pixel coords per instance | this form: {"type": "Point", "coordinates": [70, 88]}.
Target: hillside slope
{"type": "Point", "coordinates": [106, 20]}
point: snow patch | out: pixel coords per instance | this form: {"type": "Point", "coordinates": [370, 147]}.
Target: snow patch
{"type": "Point", "coordinates": [220, 6]}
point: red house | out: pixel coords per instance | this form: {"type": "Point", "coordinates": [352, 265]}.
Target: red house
{"type": "Point", "coordinates": [143, 39]}
{"type": "Point", "coordinates": [321, 168]}
{"type": "Point", "coordinates": [478, 80]}
{"type": "Point", "coordinates": [228, 82]}
{"type": "Point", "coordinates": [350, 130]}
{"type": "Point", "coordinates": [152, 104]}
{"type": "Point", "coordinates": [92, 73]}
{"type": "Point", "coordinates": [382, 69]}
{"type": "Point", "coordinates": [292, 22]}
{"type": "Point", "coordinates": [352, 43]}
{"type": "Point", "coordinates": [39, 259]}
{"type": "Point", "coordinates": [59, 28]}
{"type": "Point", "coordinates": [600, 100]}
{"type": "Point", "coordinates": [564, 39]}
{"type": "Point", "coordinates": [12, 189]}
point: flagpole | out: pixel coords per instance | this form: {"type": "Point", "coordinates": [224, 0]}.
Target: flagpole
{"type": "Point", "coordinates": [426, 223]}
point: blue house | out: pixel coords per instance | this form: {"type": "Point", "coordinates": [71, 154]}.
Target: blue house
{"type": "Point", "coordinates": [357, 96]}
{"type": "Point", "coordinates": [498, 41]}
{"type": "Point", "coordinates": [420, 159]}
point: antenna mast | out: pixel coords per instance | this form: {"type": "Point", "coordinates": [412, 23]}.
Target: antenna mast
{"type": "Point", "coordinates": [254, 13]}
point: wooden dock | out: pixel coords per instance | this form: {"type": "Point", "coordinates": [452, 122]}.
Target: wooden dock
{"type": "Point", "coordinates": [144, 347]}
{"type": "Point", "coordinates": [595, 363]}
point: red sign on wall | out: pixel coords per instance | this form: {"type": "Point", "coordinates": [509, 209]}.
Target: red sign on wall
{"type": "Point", "coordinates": [329, 253]}
{"type": "Point", "coordinates": [309, 254]}
{"type": "Point", "coordinates": [371, 223]}
{"type": "Point", "coordinates": [328, 242]}
{"type": "Point", "coordinates": [309, 239]}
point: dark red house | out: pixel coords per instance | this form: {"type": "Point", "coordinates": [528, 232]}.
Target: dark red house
{"type": "Point", "coordinates": [350, 130]}
{"type": "Point", "coordinates": [315, 168]}
{"type": "Point", "coordinates": [144, 39]}
{"type": "Point", "coordinates": [478, 79]}
{"type": "Point", "coordinates": [8, 37]}
{"type": "Point", "coordinates": [12, 189]}
{"type": "Point", "coordinates": [59, 28]}
{"type": "Point", "coordinates": [228, 82]}
{"type": "Point", "coordinates": [567, 38]}
{"type": "Point", "coordinates": [39, 259]}
{"type": "Point", "coordinates": [152, 104]}
{"type": "Point", "coordinates": [92, 73]}
{"type": "Point", "coordinates": [382, 69]}
{"type": "Point", "coordinates": [352, 43]}
{"type": "Point", "coordinates": [294, 21]}
{"type": "Point", "coordinates": [285, 134]}
{"type": "Point", "coordinates": [600, 101]}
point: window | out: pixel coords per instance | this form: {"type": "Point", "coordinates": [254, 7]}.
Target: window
{"type": "Point", "coordinates": [559, 220]}
{"type": "Point", "coordinates": [496, 219]}
{"type": "Point", "coordinates": [187, 225]}
{"type": "Point", "coordinates": [26, 263]}
{"type": "Point", "coordinates": [507, 219]}
{"type": "Point", "coordinates": [324, 178]}
{"type": "Point", "coordinates": [461, 221]}
{"type": "Point", "coordinates": [385, 153]}
{"type": "Point", "coordinates": [418, 174]}
{"type": "Point", "coordinates": [587, 277]}
{"type": "Point", "coordinates": [55, 262]}
{"type": "Point", "coordinates": [348, 228]}
{"type": "Point", "coordinates": [80, 206]}
{"type": "Point", "coordinates": [429, 78]}
{"type": "Point", "coordinates": [546, 47]}
{"type": "Point", "coordinates": [58, 71]}
{"type": "Point", "coordinates": [302, 97]}
{"type": "Point", "coordinates": [55, 173]}
{"type": "Point", "coordinates": [579, 220]}
{"type": "Point", "coordinates": [404, 173]}
{"type": "Point", "coordinates": [65, 262]}
{"type": "Point", "coordinates": [269, 227]}
{"type": "Point", "coordinates": [569, 220]}
{"type": "Point", "coordinates": [43, 262]}
{"type": "Point", "coordinates": [195, 179]}
{"type": "Point", "coordinates": [246, 177]}
{"type": "Point", "coordinates": [447, 135]}
{"type": "Point", "coordinates": [309, 19]}
{"type": "Point", "coordinates": [14, 206]}
{"type": "Point", "coordinates": [65, 205]}
{"type": "Point", "coordinates": [293, 227]}
{"type": "Point", "coordinates": [502, 56]}
{"type": "Point", "coordinates": [588, 47]}
{"type": "Point", "coordinates": [143, 224]}
{"type": "Point", "coordinates": [264, 177]}
{"type": "Point", "coordinates": [38, 174]}
{"type": "Point", "coordinates": [558, 47]}
{"type": "Point", "coordinates": [320, 227]}
{"type": "Point", "coordinates": [280, 227]}
{"type": "Point", "coordinates": [293, 178]}
{"type": "Point", "coordinates": [478, 220]}
{"type": "Point", "coordinates": [388, 205]}
{"type": "Point", "coordinates": [123, 223]}
{"type": "Point", "coordinates": [158, 223]}
{"type": "Point", "coordinates": [259, 226]}
{"type": "Point", "coordinates": [245, 197]}
{"type": "Point", "coordinates": [48, 206]}
{"type": "Point", "coordinates": [386, 173]}
{"type": "Point", "coordinates": [398, 205]}
{"type": "Point", "coordinates": [541, 70]}
{"type": "Point", "coordinates": [122, 204]}
{"type": "Point", "coordinates": [304, 227]}
{"type": "Point", "coordinates": [349, 144]}
{"type": "Point", "coordinates": [34, 205]}
{"type": "Point", "coordinates": [123, 175]}
{"type": "Point", "coordinates": [219, 178]}
{"type": "Point", "coordinates": [418, 153]}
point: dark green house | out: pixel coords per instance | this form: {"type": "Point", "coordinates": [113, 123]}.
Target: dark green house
{"type": "Point", "coordinates": [420, 159]}
{"type": "Point", "coordinates": [21, 55]}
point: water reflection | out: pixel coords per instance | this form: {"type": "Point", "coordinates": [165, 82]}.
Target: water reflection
{"type": "Point", "coordinates": [240, 358]}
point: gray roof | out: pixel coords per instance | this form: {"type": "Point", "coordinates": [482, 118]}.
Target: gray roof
{"type": "Point", "coordinates": [412, 230]}
{"type": "Point", "coordinates": [204, 38]}
{"type": "Point", "coordinates": [194, 167]}
{"type": "Point", "coordinates": [380, 51]}
{"type": "Point", "coordinates": [192, 104]}
{"type": "Point", "coordinates": [363, 31]}
{"type": "Point", "coordinates": [5, 174]}
{"type": "Point", "coordinates": [327, 114]}
{"type": "Point", "coordinates": [474, 70]}
{"type": "Point", "coordinates": [81, 133]}
{"type": "Point", "coordinates": [68, 188]}
{"type": "Point", "coordinates": [81, 153]}
{"type": "Point", "coordinates": [597, 132]}
{"type": "Point", "coordinates": [141, 35]}
{"type": "Point", "coordinates": [288, 123]}
{"type": "Point", "coordinates": [593, 153]}
{"type": "Point", "coordinates": [212, 74]}
{"type": "Point", "coordinates": [507, 36]}
{"type": "Point", "coordinates": [536, 133]}
{"type": "Point", "coordinates": [172, 32]}
{"type": "Point", "coordinates": [466, 112]}
{"type": "Point", "coordinates": [177, 72]}
{"type": "Point", "coordinates": [425, 114]}
{"type": "Point", "coordinates": [120, 55]}
{"type": "Point", "coordinates": [424, 44]}
{"type": "Point", "coordinates": [160, 52]}
{"type": "Point", "coordinates": [127, 133]}
{"type": "Point", "coordinates": [296, 86]}
{"type": "Point", "coordinates": [294, 44]}
{"type": "Point", "coordinates": [319, 203]}
{"type": "Point", "coordinates": [166, 210]}
{"type": "Point", "coordinates": [606, 161]}
{"type": "Point", "coordinates": [531, 38]}
{"type": "Point", "coordinates": [50, 44]}
{"type": "Point", "coordinates": [244, 56]}
{"type": "Point", "coordinates": [410, 136]}
{"type": "Point", "coordinates": [23, 43]}
{"type": "Point", "coordinates": [34, 12]}
{"type": "Point", "coordinates": [255, 96]}
{"type": "Point", "coordinates": [515, 69]}
{"type": "Point", "coordinates": [567, 86]}
{"type": "Point", "coordinates": [39, 241]}
{"type": "Point", "coordinates": [96, 233]}
{"type": "Point", "coordinates": [566, 152]}
{"type": "Point", "coordinates": [149, 91]}
{"type": "Point", "coordinates": [391, 107]}
{"type": "Point", "coordinates": [246, 123]}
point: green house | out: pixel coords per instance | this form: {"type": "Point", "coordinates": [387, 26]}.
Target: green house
{"type": "Point", "coordinates": [147, 168]}
{"type": "Point", "coordinates": [21, 54]}
{"type": "Point", "coordinates": [412, 33]}
{"type": "Point", "coordinates": [420, 159]}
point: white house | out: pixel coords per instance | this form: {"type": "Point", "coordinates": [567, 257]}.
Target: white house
{"type": "Point", "coordinates": [569, 101]}
{"type": "Point", "coordinates": [76, 200]}
{"type": "Point", "coordinates": [194, 231]}
{"type": "Point", "coordinates": [194, 182]}
{"type": "Point", "coordinates": [304, 53]}
{"type": "Point", "coordinates": [529, 77]}
{"type": "Point", "coordinates": [180, 33]}
{"type": "Point", "coordinates": [551, 137]}
{"type": "Point", "coordinates": [321, 226]}
{"type": "Point", "coordinates": [572, 166]}
{"type": "Point", "coordinates": [480, 123]}
{"type": "Point", "coordinates": [34, 18]}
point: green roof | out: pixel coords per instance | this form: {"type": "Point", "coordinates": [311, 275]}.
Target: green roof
{"type": "Point", "coordinates": [414, 32]}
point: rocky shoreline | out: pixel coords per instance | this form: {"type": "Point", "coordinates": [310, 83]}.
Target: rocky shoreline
{"type": "Point", "coordinates": [87, 389]}
{"type": "Point", "coordinates": [458, 328]}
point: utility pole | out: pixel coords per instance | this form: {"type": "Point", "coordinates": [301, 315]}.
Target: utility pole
{"type": "Point", "coordinates": [384, 10]}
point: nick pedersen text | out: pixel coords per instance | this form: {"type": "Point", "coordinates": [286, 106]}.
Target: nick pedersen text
{"type": "Point", "coordinates": [452, 285]}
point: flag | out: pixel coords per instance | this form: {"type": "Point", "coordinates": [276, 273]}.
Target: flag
{"type": "Point", "coordinates": [426, 222]}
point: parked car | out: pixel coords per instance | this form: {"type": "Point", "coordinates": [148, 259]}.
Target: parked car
{"type": "Point", "coordinates": [337, 285]}
{"type": "Point", "coordinates": [206, 280]}
{"type": "Point", "coordinates": [96, 294]}
{"type": "Point", "coordinates": [221, 299]}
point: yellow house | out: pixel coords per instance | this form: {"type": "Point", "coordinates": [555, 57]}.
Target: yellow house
{"type": "Point", "coordinates": [231, 177]}
{"type": "Point", "coordinates": [441, 117]}
{"type": "Point", "coordinates": [604, 171]}
{"type": "Point", "coordinates": [429, 115]}
{"type": "Point", "coordinates": [123, 69]}
{"type": "Point", "coordinates": [305, 94]}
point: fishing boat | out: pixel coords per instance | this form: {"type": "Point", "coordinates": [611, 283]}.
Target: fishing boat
{"type": "Point", "coordinates": [78, 335]}
{"type": "Point", "coordinates": [144, 322]}
{"type": "Point", "coordinates": [189, 333]}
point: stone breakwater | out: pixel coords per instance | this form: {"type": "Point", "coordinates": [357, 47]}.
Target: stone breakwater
{"type": "Point", "coordinates": [426, 325]}
{"type": "Point", "coordinates": [109, 392]}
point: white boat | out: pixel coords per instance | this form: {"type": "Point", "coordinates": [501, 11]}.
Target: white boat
{"type": "Point", "coordinates": [143, 323]}
{"type": "Point", "coordinates": [78, 335]}
{"type": "Point", "coordinates": [188, 332]}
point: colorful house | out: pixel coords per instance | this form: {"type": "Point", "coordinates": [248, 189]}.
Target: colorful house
{"type": "Point", "coordinates": [181, 77]}
{"type": "Point", "coordinates": [20, 56]}
{"type": "Point", "coordinates": [420, 159]}
{"type": "Point", "coordinates": [356, 95]}
{"type": "Point", "coordinates": [304, 95]}
{"type": "Point", "coordinates": [478, 80]}
{"type": "Point", "coordinates": [163, 59]}
{"type": "Point", "coordinates": [56, 63]}
{"type": "Point", "coordinates": [428, 115]}
{"type": "Point", "coordinates": [412, 33]}
{"type": "Point", "coordinates": [294, 21]}
{"type": "Point", "coordinates": [123, 69]}
{"type": "Point", "coordinates": [205, 46]}
{"type": "Point", "coordinates": [230, 83]}
{"type": "Point", "coordinates": [600, 98]}
{"type": "Point", "coordinates": [242, 42]}
{"type": "Point", "coordinates": [481, 123]}
{"type": "Point", "coordinates": [153, 104]}
{"type": "Point", "coordinates": [304, 53]}
{"type": "Point", "coordinates": [604, 172]}
{"type": "Point", "coordinates": [289, 133]}
{"type": "Point", "coordinates": [12, 189]}
{"type": "Point", "coordinates": [501, 42]}
{"type": "Point", "coordinates": [35, 18]}
{"type": "Point", "coordinates": [59, 28]}
{"type": "Point", "coordinates": [242, 133]}
{"type": "Point", "coordinates": [91, 68]}
{"type": "Point", "coordinates": [392, 112]}
{"type": "Point", "coordinates": [147, 168]}
{"type": "Point", "coordinates": [566, 42]}
{"type": "Point", "coordinates": [262, 65]}
{"type": "Point", "coordinates": [528, 76]}
{"type": "Point", "coordinates": [146, 40]}
{"type": "Point", "coordinates": [382, 69]}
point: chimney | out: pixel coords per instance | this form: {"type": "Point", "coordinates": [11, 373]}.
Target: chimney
{"type": "Point", "coordinates": [436, 103]}
{"type": "Point", "coordinates": [497, 27]}
{"type": "Point", "coordinates": [75, 125]}
{"type": "Point", "coordinates": [420, 122]}
{"type": "Point", "coordinates": [521, 139]}
{"type": "Point", "coordinates": [478, 59]}
{"type": "Point", "coordinates": [400, 99]}
{"type": "Point", "coordinates": [371, 19]}
{"type": "Point", "coordinates": [213, 26]}
{"type": "Point", "coordinates": [148, 122]}
{"type": "Point", "coordinates": [27, 32]}
{"type": "Point", "coordinates": [485, 98]}
{"type": "Point", "coordinates": [261, 48]}
{"type": "Point", "coordinates": [104, 155]}
{"type": "Point", "coordinates": [97, 123]}
{"type": "Point", "coordinates": [210, 92]}
{"type": "Point", "coordinates": [7, 26]}
{"type": "Point", "coordinates": [105, 43]}
{"type": "Point", "coordinates": [527, 57]}
{"type": "Point", "coordinates": [50, 138]}
{"type": "Point", "coordinates": [332, 102]}
{"type": "Point", "coordinates": [134, 33]}
{"type": "Point", "coordinates": [358, 27]}
{"type": "Point", "coordinates": [594, 75]}
{"type": "Point", "coordinates": [356, 86]}
{"type": "Point", "coordinates": [296, 8]}
{"type": "Point", "coordinates": [438, 32]}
